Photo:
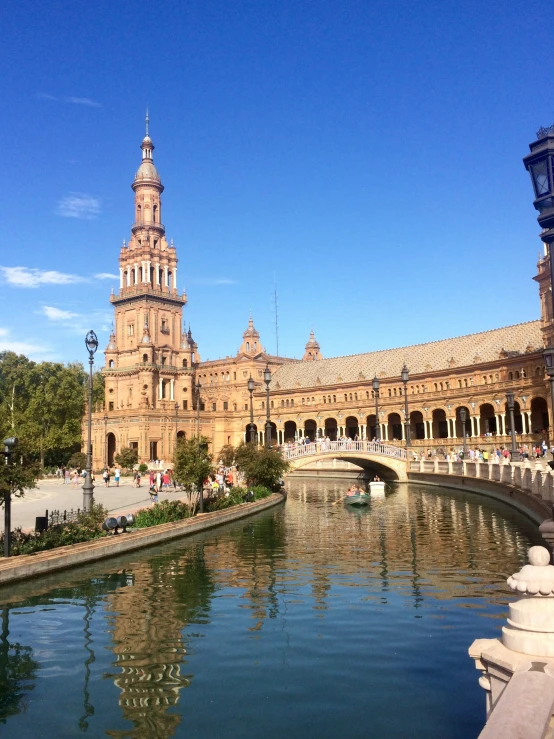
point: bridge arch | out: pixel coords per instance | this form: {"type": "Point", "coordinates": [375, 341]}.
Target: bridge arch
{"type": "Point", "coordinates": [389, 462]}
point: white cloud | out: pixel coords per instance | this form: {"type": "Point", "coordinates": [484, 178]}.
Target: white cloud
{"type": "Point", "coordinates": [26, 277]}
{"type": "Point", "coordinates": [82, 101]}
{"type": "Point", "coordinates": [30, 349]}
{"type": "Point", "coordinates": [56, 314]}
{"type": "Point", "coordinates": [106, 276]}
{"type": "Point", "coordinates": [79, 205]}
{"type": "Point", "coordinates": [215, 281]}
{"type": "Point", "coordinates": [71, 99]}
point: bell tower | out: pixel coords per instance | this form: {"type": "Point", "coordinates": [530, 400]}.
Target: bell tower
{"type": "Point", "coordinates": [150, 359]}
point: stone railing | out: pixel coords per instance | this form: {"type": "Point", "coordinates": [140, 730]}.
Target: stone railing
{"type": "Point", "coordinates": [530, 476]}
{"type": "Point", "coordinates": [329, 447]}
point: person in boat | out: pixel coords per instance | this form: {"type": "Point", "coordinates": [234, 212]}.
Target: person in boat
{"type": "Point", "coordinates": [376, 478]}
{"type": "Point", "coordinates": [354, 490]}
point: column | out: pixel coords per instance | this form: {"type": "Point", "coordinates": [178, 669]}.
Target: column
{"type": "Point", "coordinates": [529, 427]}
{"type": "Point", "coordinates": [157, 267]}
{"type": "Point", "coordinates": [498, 423]}
{"type": "Point", "coordinates": [136, 273]}
{"type": "Point", "coordinates": [175, 278]}
{"type": "Point", "coordinates": [120, 277]}
{"type": "Point", "coordinates": [362, 432]}
{"type": "Point", "coordinates": [171, 389]}
{"type": "Point", "coordinates": [478, 425]}
{"type": "Point", "coordinates": [425, 429]}
{"type": "Point", "coordinates": [166, 277]}
{"type": "Point", "coordinates": [160, 388]}
{"type": "Point", "coordinates": [402, 432]}
{"type": "Point", "coordinates": [128, 276]}
{"type": "Point", "coordinates": [386, 430]}
{"type": "Point", "coordinates": [448, 420]}
{"type": "Point", "coordinates": [148, 263]}
{"type": "Point", "coordinates": [503, 417]}
{"type": "Point", "coordinates": [430, 429]}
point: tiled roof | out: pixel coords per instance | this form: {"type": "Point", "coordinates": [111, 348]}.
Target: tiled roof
{"type": "Point", "coordinates": [463, 351]}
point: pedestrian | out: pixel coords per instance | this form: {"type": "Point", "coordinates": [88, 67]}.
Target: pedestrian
{"type": "Point", "coordinates": [117, 475]}
{"type": "Point", "coordinates": [106, 477]}
{"type": "Point", "coordinates": [67, 476]}
{"type": "Point", "coordinates": [138, 479]}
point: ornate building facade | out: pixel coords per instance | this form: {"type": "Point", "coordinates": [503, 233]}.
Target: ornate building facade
{"type": "Point", "coordinates": [158, 389]}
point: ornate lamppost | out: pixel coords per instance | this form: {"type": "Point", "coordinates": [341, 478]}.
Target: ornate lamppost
{"type": "Point", "coordinates": [9, 445]}
{"type": "Point", "coordinates": [267, 380]}
{"type": "Point", "coordinates": [510, 401]}
{"type": "Point", "coordinates": [198, 388]}
{"type": "Point", "coordinates": [91, 342]}
{"type": "Point", "coordinates": [540, 165]}
{"type": "Point", "coordinates": [176, 424]}
{"type": "Point", "coordinates": [463, 417]}
{"type": "Point", "coordinates": [407, 430]}
{"type": "Point", "coordinates": [105, 439]}
{"type": "Point", "coordinates": [375, 384]}
{"type": "Point", "coordinates": [251, 429]}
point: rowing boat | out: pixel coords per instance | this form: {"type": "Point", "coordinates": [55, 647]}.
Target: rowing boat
{"type": "Point", "coordinates": [357, 499]}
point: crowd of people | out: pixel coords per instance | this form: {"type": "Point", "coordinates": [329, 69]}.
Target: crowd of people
{"type": "Point", "coordinates": [476, 454]}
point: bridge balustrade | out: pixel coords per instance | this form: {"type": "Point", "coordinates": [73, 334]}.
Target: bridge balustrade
{"type": "Point", "coordinates": [329, 447]}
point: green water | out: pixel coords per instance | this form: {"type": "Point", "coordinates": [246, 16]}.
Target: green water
{"type": "Point", "coordinates": [310, 620]}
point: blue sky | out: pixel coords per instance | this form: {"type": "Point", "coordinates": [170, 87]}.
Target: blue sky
{"type": "Point", "coordinates": [366, 154]}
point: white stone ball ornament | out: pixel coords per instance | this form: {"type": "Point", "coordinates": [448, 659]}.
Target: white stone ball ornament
{"type": "Point", "coordinates": [536, 578]}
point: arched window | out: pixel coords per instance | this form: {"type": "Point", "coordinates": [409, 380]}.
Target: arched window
{"type": "Point", "coordinates": [334, 398]}
{"type": "Point", "coordinates": [145, 358]}
{"type": "Point", "coordinates": [523, 373]}
{"type": "Point", "coordinates": [436, 387]}
{"type": "Point", "coordinates": [510, 375]}
{"type": "Point", "coordinates": [111, 363]}
{"type": "Point", "coordinates": [517, 375]}
{"type": "Point", "coordinates": [351, 396]}
{"type": "Point", "coordinates": [465, 383]}
{"type": "Point", "coordinates": [155, 213]}
{"type": "Point", "coordinates": [485, 379]}
{"type": "Point", "coordinates": [139, 213]}
{"type": "Point", "coordinates": [459, 383]}
{"type": "Point", "coordinates": [390, 393]}
{"type": "Point", "coordinates": [185, 362]}
{"type": "Point", "coordinates": [247, 346]}
{"type": "Point", "coordinates": [287, 403]}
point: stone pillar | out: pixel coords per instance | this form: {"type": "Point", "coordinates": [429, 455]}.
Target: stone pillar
{"type": "Point", "coordinates": [175, 278]}
{"type": "Point", "coordinates": [136, 273]}
{"type": "Point", "coordinates": [478, 424]}
{"type": "Point", "coordinates": [503, 417]}
{"type": "Point", "coordinates": [120, 277]}
{"type": "Point", "coordinates": [171, 389]}
{"type": "Point", "coordinates": [430, 436]}
{"type": "Point", "coordinates": [157, 268]}
{"type": "Point", "coordinates": [425, 429]}
{"type": "Point", "coordinates": [148, 263]}
{"type": "Point", "coordinates": [160, 388]}
{"type": "Point", "coordinates": [530, 430]}
{"type": "Point", "coordinates": [128, 276]}
{"type": "Point", "coordinates": [166, 276]}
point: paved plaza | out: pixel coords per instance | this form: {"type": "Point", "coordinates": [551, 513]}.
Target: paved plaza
{"type": "Point", "coordinates": [51, 494]}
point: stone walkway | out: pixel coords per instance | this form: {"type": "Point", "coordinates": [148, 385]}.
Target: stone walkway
{"type": "Point", "coordinates": [51, 495]}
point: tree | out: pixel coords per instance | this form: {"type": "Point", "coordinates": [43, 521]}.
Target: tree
{"type": "Point", "coordinates": [78, 460]}
{"type": "Point", "coordinates": [192, 465]}
{"type": "Point", "coordinates": [127, 458]}
{"type": "Point", "coordinates": [260, 466]}
{"type": "Point", "coordinates": [19, 475]}
{"type": "Point", "coordinates": [227, 455]}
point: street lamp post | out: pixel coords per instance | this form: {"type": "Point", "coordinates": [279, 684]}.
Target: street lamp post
{"type": "Point", "coordinates": [540, 165]}
{"type": "Point", "coordinates": [251, 429]}
{"type": "Point", "coordinates": [407, 432]}
{"type": "Point", "coordinates": [91, 342]}
{"type": "Point", "coordinates": [105, 440]}
{"type": "Point", "coordinates": [463, 417]}
{"type": "Point", "coordinates": [267, 380]}
{"type": "Point", "coordinates": [375, 385]}
{"type": "Point", "coordinates": [510, 401]}
{"type": "Point", "coordinates": [9, 444]}
{"type": "Point", "coordinates": [176, 431]}
{"type": "Point", "coordinates": [198, 388]}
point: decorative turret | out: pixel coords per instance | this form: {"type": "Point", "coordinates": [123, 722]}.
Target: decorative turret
{"type": "Point", "coordinates": [250, 340]}
{"type": "Point", "coordinates": [146, 338]}
{"type": "Point", "coordinates": [312, 350]}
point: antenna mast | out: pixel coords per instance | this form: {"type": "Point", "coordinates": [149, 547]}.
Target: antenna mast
{"type": "Point", "coordinates": [276, 313]}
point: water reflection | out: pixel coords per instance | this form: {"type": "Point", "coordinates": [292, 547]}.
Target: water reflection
{"type": "Point", "coordinates": [206, 613]}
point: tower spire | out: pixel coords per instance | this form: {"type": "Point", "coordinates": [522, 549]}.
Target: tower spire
{"type": "Point", "coordinates": [147, 122]}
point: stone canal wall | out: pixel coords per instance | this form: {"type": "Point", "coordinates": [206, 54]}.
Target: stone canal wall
{"type": "Point", "coordinates": [526, 486]}
{"type": "Point", "coordinates": [41, 563]}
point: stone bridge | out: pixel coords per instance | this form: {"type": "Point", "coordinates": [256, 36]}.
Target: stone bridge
{"type": "Point", "coordinates": [388, 461]}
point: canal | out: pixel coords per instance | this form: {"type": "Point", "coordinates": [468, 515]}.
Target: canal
{"type": "Point", "coordinates": [310, 620]}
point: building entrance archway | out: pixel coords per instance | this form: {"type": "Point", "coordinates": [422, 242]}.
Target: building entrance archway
{"type": "Point", "coordinates": [290, 431]}
{"type": "Point", "coordinates": [331, 428]}
{"type": "Point", "coordinates": [110, 449]}
{"type": "Point", "coordinates": [352, 430]}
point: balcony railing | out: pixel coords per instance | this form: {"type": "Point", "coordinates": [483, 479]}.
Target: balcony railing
{"type": "Point", "coordinates": [147, 224]}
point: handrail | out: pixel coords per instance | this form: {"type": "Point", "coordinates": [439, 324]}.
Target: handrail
{"type": "Point", "coordinates": [325, 447]}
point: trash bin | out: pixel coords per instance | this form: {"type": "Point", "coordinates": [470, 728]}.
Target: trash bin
{"type": "Point", "coordinates": [41, 524]}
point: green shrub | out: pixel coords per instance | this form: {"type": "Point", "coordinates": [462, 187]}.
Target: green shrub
{"type": "Point", "coordinates": [260, 491]}
{"type": "Point", "coordinates": [164, 512]}
{"type": "Point", "coordinates": [143, 467]}
{"type": "Point", "coordinates": [88, 526]}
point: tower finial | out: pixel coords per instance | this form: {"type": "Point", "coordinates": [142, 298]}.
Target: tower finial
{"type": "Point", "coordinates": [147, 122]}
